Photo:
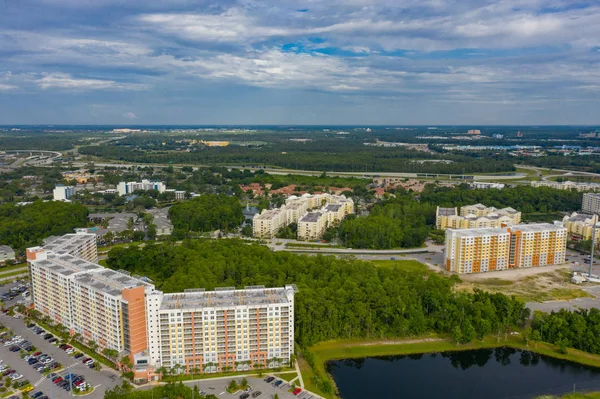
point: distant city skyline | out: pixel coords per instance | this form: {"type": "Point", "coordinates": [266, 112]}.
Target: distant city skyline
{"type": "Point", "coordinates": [319, 62]}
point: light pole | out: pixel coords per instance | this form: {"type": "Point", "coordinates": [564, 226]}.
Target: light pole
{"type": "Point", "coordinates": [592, 250]}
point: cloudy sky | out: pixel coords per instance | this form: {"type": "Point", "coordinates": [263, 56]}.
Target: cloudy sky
{"type": "Point", "coordinates": [300, 62]}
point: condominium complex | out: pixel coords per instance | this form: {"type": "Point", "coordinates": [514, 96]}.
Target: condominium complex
{"type": "Point", "coordinates": [521, 246]}
{"type": "Point", "coordinates": [223, 330]}
{"type": "Point", "coordinates": [227, 329]}
{"type": "Point", "coordinates": [63, 193]}
{"type": "Point", "coordinates": [566, 185]}
{"type": "Point", "coordinates": [591, 203]}
{"type": "Point", "coordinates": [329, 209]}
{"type": "Point", "coordinates": [579, 226]}
{"type": "Point", "coordinates": [476, 216]}
{"type": "Point", "coordinates": [124, 188]}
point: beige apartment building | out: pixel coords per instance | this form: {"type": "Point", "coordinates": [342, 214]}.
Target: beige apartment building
{"type": "Point", "coordinates": [489, 249]}
{"type": "Point", "coordinates": [269, 222]}
{"type": "Point", "coordinates": [579, 226]}
{"type": "Point", "coordinates": [223, 330]}
{"type": "Point", "coordinates": [476, 216]}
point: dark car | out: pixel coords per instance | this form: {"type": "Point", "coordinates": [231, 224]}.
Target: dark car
{"type": "Point", "coordinates": [52, 340]}
{"type": "Point", "coordinates": [37, 394]}
{"type": "Point", "coordinates": [33, 361]}
{"type": "Point", "coordinates": [48, 336]}
{"type": "Point", "coordinates": [77, 356]}
{"type": "Point", "coordinates": [30, 325]}
{"type": "Point", "coordinates": [269, 379]}
{"type": "Point", "coordinates": [278, 383]}
{"type": "Point", "coordinates": [244, 396]}
{"type": "Point", "coordinates": [256, 394]}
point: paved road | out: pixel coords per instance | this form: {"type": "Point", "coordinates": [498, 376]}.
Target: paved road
{"type": "Point", "coordinates": [102, 380]}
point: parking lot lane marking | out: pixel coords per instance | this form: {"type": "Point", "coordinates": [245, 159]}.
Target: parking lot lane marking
{"type": "Point", "coordinates": [97, 386]}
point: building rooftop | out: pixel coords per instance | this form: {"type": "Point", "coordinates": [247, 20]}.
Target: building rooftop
{"type": "Point", "coordinates": [447, 211]}
{"type": "Point", "coordinates": [67, 243]}
{"type": "Point", "coordinates": [333, 207]}
{"type": "Point", "coordinates": [478, 232]}
{"type": "Point", "coordinates": [537, 227]}
{"type": "Point", "coordinates": [110, 281]}
{"type": "Point", "coordinates": [227, 297]}
{"type": "Point", "coordinates": [270, 214]}
{"type": "Point", "coordinates": [311, 217]}
{"type": "Point", "coordinates": [66, 265]}
{"type": "Point", "coordinates": [5, 248]}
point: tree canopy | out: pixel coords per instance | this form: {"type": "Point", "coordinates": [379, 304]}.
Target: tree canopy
{"type": "Point", "coordinates": [338, 298]}
{"type": "Point", "coordinates": [206, 213]}
{"type": "Point", "coordinates": [24, 226]}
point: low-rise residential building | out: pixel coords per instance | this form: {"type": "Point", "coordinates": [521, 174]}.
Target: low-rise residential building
{"type": "Point", "coordinates": [591, 203]}
{"type": "Point", "coordinates": [566, 185]}
{"type": "Point", "coordinates": [125, 188]}
{"type": "Point", "coordinates": [580, 226]}
{"type": "Point", "coordinates": [6, 254]}
{"type": "Point", "coordinates": [489, 249]}
{"type": "Point", "coordinates": [476, 216]}
{"type": "Point", "coordinates": [63, 193]}
{"type": "Point", "coordinates": [484, 185]}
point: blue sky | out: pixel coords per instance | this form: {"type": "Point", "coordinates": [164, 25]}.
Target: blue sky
{"type": "Point", "coordinates": [300, 62]}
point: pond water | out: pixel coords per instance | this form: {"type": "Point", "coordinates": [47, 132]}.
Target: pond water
{"type": "Point", "coordinates": [500, 373]}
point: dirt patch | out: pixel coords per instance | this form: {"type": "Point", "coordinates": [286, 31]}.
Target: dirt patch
{"type": "Point", "coordinates": [530, 285]}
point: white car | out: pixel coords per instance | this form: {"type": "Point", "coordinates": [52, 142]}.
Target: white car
{"type": "Point", "coordinates": [47, 360]}
{"type": "Point", "coordinates": [89, 362]}
{"type": "Point", "coordinates": [3, 367]}
{"type": "Point", "coordinates": [15, 377]}
{"type": "Point", "coordinates": [8, 343]}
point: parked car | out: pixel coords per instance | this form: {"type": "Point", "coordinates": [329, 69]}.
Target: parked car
{"type": "Point", "coordinates": [256, 394]}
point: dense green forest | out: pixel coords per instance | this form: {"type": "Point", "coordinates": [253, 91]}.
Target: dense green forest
{"type": "Point", "coordinates": [324, 153]}
{"type": "Point", "coordinates": [24, 226]}
{"type": "Point", "coordinates": [579, 329]}
{"type": "Point", "coordinates": [207, 213]}
{"type": "Point", "coordinates": [338, 298]}
{"type": "Point", "coordinates": [400, 222]}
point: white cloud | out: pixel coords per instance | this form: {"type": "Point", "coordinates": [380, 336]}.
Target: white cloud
{"type": "Point", "coordinates": [6, 87]}
{"type": "Point", "coordinates": [130, 115]}
{"type": "Point", "coordinates": [66, 81]}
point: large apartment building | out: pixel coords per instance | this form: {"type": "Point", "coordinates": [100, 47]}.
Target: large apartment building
{"type": "Point", "coordinates": [476, 216]}
{"type": "Point", "coordinates": [489, 249]}
{"type": "Point", "coordinates": [223, 330]}
{"type": "Point", "coordinates": [591, 203]}
{"type": "Point", "coordinates": [63, 193]}
{"type": "Point", "coordinates": [297, 210]}
{"type": "Point", "coordinates": [124, 188]}
{"type": "Point", "coordinates": [217, 331]}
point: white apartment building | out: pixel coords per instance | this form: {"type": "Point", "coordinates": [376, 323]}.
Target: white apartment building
{"type": "Point", "coordinates": [223, 330]}
{"type": "Point", "coordinates": [63, 193]}
{"type": "Point", "coordinates": [566, 185]}
{"type": "Point", "coordinates": [591, 203]}
{"type": "Point", "coordinates": [124, 188]}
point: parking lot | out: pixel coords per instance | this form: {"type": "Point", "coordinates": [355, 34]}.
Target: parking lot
{"type": "Point", "coordinates": [267, 389]}
{"type": "Point", "coordinates": [100, 380]}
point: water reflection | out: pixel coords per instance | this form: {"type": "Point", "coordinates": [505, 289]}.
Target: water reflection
{"type": "Point", "coordinates": [490, 373]}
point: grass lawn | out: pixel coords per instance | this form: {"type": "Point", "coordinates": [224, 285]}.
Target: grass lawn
{"type": "Point", "coordinates": [590, 395]}
{"type": "Point", "coordinates": [12, 274]}
{"type": "Point", "coordinates": [4, 269]}
{"type": "Point", "coordinates": [287, 376]}
{"type": "Point", "coordinates": [408, 265]}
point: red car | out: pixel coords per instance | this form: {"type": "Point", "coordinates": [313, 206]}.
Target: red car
{"type": "Point", "coordinates": [57, 380]}
{"type": "Point", "coordinates": [87, 359]}
{"type": "Point", "coordinates": [297, 391]}
{"type": "Point", "coordinates": [36, 354]}
{"type": "Point", "coordinates": [7, 372]}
